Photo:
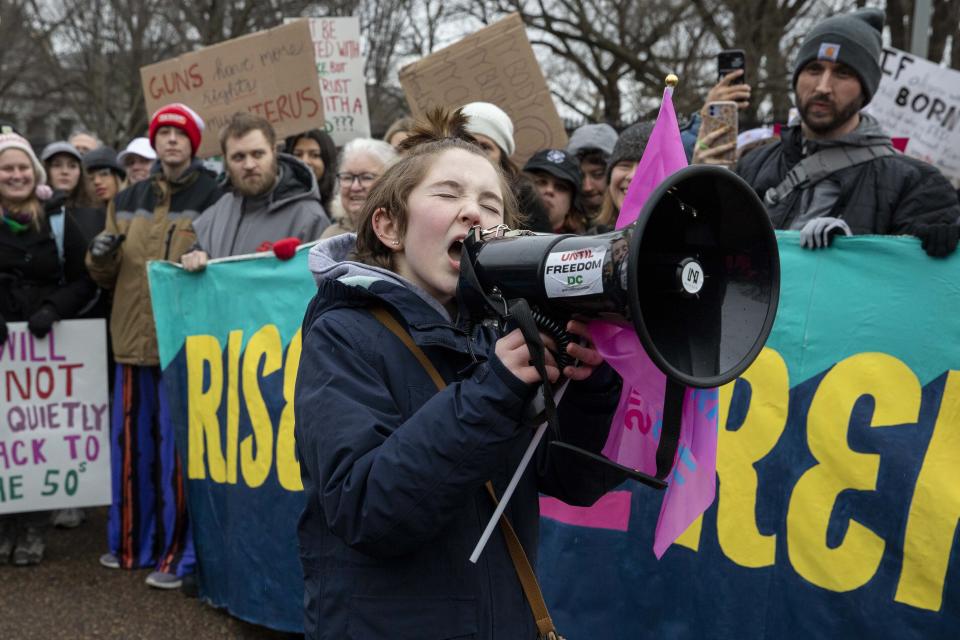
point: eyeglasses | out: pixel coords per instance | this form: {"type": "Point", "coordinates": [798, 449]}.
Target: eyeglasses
{"type": "Point", "coordinates": [365, 179]}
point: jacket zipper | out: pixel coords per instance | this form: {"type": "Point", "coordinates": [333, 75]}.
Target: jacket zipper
{"type": "Point", "coordinates": [166, 251]}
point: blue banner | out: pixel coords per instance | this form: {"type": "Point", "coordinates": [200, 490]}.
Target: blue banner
{"type": "Point", "coordinates": [838, 462]}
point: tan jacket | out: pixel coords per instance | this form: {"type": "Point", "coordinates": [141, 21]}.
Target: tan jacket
{"type": "Point", "coordinates": [155, 215]}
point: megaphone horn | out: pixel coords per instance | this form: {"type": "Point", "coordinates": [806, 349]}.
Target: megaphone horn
{"type": "Point", "coordinates": [697, 276]}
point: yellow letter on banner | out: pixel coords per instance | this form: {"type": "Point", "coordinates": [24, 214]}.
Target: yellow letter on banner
{"type": "Point", "coordinates": [737, 453]}
{"type": "Point", "coordinates": [288, 469]}
{"type": "Point", "coordinates": [264, 345]}
{"type": "Point", "coordinates": [934, 510]}
{"type": "Point", "coordinates": [896, 393]}
{"type": "Point", "coordinates": [202, 405]}
{"type": "Point", "coordinates": [234, 343]}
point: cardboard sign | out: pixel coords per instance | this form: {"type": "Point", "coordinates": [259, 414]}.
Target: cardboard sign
{"type": "Point", "coordinates": [336, 43]}
{"type": "Point", "coordinates": [495, 64]}
{"type": "Point", "coordinates": [54, 418]}
{"type": "Point", "coordinates": [920, 100]}
{"type": "Point", "coordinates": [271, 73]}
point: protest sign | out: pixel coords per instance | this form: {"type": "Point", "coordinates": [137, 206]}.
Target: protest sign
{"type": "Point", "coordinates": [336, 43]}
{"type": "Point", "coordinates": [920, 100]}
{"type": "Point", "coordinates": [271, 73]}
{"type": "Point", "coordinates": [54, 421]}
{"type": "Point", "coordinates": [495, 64]}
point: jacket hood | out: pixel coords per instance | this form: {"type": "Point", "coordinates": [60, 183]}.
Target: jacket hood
{"type": "Point", "coordinates": [295, 182]}
{"type": "Point", "coordinates": [868, 132]}
{"type": "Point", "coordinates": [328, 260]}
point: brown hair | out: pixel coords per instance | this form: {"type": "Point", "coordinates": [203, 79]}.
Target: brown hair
{"type": "Point", "coordinates": [80, 195]}
{"type": "Point", "coordinates": [441, 131]}
{"type": "Point", "coordinates": [242, 123]}
{"type": "Point", "coordinates": [404, 124]}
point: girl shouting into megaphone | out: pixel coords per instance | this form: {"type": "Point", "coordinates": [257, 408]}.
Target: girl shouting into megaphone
{"type": "Point", "coordinates": [409, 417]}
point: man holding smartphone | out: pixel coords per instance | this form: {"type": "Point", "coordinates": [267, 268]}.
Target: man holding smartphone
{"type": "Point", "coordinates": [836, 172]}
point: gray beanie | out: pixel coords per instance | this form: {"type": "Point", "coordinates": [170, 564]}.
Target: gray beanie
{"type": "Point", "coordinates": [630, 144]}
{"type": "Point", "coordinates": [852, 39]}
{"type": "Point", "coordinates": [601, 137]}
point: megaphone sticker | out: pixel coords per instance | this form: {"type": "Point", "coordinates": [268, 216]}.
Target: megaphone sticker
{"type": "Point", "coordinates": [574, 273]}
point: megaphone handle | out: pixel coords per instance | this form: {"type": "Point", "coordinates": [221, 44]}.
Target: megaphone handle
{"type": "Point", "coordinates": [670, 427]}
{"type": "Point", "coordinates": [508, 492]}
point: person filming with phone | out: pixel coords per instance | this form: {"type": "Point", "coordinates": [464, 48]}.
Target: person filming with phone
{"type": "Point", "coordinates": [836, 172]}
{"type": "Point", "coordinates": [717, 126]}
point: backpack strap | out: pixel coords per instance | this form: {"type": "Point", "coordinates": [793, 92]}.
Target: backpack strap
{"type": "Point", "coordinates": [822, 164]}
{"type": "Point", "coordinates": [528, 579]}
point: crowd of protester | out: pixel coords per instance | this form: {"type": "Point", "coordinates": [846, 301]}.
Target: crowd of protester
{"type": "Point", "coordinates": [80, 221]}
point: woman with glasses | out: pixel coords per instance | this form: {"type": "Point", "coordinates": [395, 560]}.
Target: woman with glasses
{"type": "Point", "coordinates": [362, 162]}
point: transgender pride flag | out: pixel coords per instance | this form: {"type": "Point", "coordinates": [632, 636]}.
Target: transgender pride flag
{"type": "Point", "coordinates": [635, 431]}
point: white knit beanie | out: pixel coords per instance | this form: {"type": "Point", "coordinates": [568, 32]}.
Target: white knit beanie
{"type": "Point", "coordinates": [487, 119]}
{"type": "Point", "coordinates": [14, 141]}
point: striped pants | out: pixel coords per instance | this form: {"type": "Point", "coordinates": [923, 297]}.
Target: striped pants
{"type": "Point", "coordinates": [147, 524]}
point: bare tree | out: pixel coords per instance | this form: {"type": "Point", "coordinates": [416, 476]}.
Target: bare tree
{"type": "Point", "coordinates": [944, 26]}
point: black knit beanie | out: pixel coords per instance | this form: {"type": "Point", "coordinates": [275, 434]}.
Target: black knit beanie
{"type": "Point", "coordinates": [854, 40]}
{"type": "Point", "coordinates": [630, 145]}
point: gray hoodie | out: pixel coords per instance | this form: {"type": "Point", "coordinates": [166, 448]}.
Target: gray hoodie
{"type": "Point", "coordinates": [328, 260]}
{"type": "Point", "coordinates": [237, 225]}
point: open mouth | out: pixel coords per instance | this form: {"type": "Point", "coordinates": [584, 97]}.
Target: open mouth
{"type": "Point", "coordinates": [455, 251]}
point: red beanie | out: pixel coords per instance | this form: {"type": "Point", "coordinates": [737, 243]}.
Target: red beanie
{"type": "Point", "coordinates": [182, 117]}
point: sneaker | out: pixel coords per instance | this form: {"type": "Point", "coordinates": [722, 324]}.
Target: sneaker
{"type": "Point", "coordinates": [161, 580]}
{"type": "Point", "coordinates": [29, 548]}
{"type": "Point", "coordinates": [68, 518]}
{"type": "Point", "coordinates": [110, 561]}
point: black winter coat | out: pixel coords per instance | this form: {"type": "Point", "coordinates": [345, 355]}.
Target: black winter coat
{"type": "Point", "coordinates": [886, 196]}
{"type": "Point", "coordinates": [31, 273]}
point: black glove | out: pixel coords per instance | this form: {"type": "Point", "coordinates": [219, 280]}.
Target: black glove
{"type": "Point", "coordinates": [3, 330]}
{"type": "Point", "coordinates": [42, 320]}
{"type": "Point", "coordinates": [939, 240]}
{"type": "Point", "coordinates": [105, 244]}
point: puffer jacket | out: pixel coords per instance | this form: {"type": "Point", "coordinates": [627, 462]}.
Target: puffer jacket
{"type": "Point", "coordinates": [292, 209]}
{"type": "Point", "coordinates": [31, 273]}
{"type": "Point", "coordinates": [885, 196]}
{"type": "Point", "coordinates": [394, 472]}
{"type": "Point", "coordinates": [155, 215]}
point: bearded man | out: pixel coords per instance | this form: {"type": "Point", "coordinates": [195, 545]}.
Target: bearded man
{"type": "Point", "coordinates": [836, 172]}
{"type": "Point", "coordinates": [272, 197]}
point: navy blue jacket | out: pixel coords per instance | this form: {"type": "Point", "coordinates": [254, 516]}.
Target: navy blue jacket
{"type": "Point", "coordinates": [394, 471]}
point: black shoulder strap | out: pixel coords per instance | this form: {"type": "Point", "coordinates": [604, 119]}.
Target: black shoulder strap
{"type": "Point", "coordinates": [822, 164]}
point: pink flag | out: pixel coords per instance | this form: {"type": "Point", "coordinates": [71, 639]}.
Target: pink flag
{"type": "Point", "coordinates": [636, 426]}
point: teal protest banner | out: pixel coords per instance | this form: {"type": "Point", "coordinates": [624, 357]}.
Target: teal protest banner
{"type": "Point", "coordinates": [229, 342]}
{"type": "Point", "coordinates": [838, 462]}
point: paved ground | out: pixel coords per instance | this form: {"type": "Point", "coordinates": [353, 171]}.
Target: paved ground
{"type": "Point", "coordinates": [71, 596]}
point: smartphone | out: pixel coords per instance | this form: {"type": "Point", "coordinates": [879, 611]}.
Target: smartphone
{"type": "Point", "coordinates": [730, 60]}
{"type": "Point", "coordinates": [715, 116]}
